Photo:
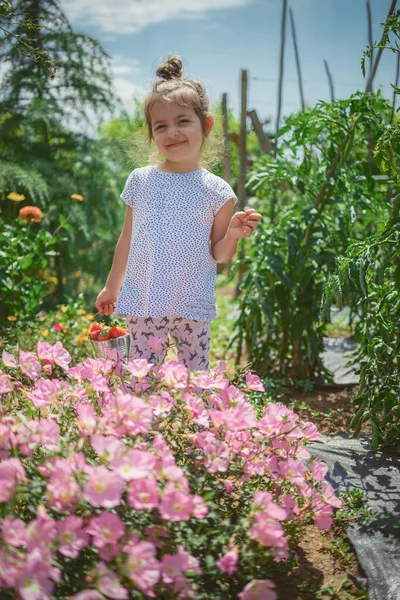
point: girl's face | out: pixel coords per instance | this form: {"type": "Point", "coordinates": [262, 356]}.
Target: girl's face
{"type": "Point", "coordinates": [177, 132]}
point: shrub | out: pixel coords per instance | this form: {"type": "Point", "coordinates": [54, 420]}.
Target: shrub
{"type": "Point", "coordinates": [147, 480]}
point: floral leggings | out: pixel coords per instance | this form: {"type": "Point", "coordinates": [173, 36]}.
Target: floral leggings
{"type": "Point", "coordinates": [191, 336]}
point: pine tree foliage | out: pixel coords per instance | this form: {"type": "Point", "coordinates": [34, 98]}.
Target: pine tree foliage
{"type": "Point", "coordinates": [48, 150]}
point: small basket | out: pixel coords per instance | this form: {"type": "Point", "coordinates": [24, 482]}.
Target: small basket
{"type": "Point", "coordinates": [122, 344]}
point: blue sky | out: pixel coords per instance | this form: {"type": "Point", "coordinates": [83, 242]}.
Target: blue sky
{"type": "Point", "coordinates": [217, 38]}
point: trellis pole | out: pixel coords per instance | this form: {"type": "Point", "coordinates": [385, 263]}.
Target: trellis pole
{"type": "Point", "coordinates": [296, 52]}
{"type": "Point", "coordinates": [280, 88]}
{"type": "Point", "coordinates": [242, 163]}
{"type": "Point", "coordinates": [330, 80]}
{"type": "Point", "coordinates": [368, 87]}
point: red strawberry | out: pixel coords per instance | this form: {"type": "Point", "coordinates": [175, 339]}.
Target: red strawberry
{"type": "Point", "coordinates": [94, 335]}
{"type": "Point", "coordinates": [117, 331]}
{"type": "Point", "coordinates": [96, 327]}
{"type": "Point", "coordinates": [104, 335]}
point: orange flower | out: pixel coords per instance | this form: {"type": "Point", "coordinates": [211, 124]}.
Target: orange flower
{"type": "Point", "coordinates": [77, 197]}
{"type": "Point", "coordinates": [31, 214]}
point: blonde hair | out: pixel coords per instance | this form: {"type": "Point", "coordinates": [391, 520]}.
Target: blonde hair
{"type": "Point", "coordinates": [172, 87]}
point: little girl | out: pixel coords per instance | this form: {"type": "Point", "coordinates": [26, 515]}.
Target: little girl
{"type": "Point", "coordinates": [179, 224]}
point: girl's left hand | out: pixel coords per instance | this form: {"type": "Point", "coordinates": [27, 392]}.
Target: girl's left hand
{"type": "Point", "coordinates": [243, 223]}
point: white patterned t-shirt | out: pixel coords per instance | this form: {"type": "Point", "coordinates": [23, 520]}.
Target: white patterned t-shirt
{"type": "Point", "coordinates": [170, 268]}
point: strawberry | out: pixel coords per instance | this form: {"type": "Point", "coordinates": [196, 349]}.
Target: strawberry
{"type": "Point", "coordinates": [117, 331]}
{"type": "Point", "coordinates": [94, 335]}
{"type": "Point", "coordinates": [104, 335]}
{"type": "Point", "coordinates": [96, 327]}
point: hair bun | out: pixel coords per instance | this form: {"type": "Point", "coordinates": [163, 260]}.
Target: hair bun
{"type": "Point", "coordinates": [171, 69]}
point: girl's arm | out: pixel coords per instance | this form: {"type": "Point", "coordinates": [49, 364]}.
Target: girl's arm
{"type": "Point", "coordinates": [108, 296]}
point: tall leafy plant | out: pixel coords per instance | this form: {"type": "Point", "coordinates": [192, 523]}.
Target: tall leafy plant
{"type": "Point", "coordinates": [371, 267]}
{"type": "Point", "coordinates": [326, 197]}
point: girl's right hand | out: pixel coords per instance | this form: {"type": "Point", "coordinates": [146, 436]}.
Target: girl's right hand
{"type": "Point", "coordinates": [105, 301]}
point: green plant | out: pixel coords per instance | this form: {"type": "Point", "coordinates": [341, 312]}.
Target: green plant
{"type": "Point", "coordinates": [27, 252]}
{"type": "Point", "coordinates": [371, 267]}
{"type": "Point", "coordinates": [327, 197]}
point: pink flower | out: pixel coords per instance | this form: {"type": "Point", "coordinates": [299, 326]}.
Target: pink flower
{"type": "Point", "coordinates": [107, 447]}
{"type": "Point", "coordinates": [34, 581]}
{"type": "Point", "coordinates": [241, 416]}
{"type": "Point", "coordinates": [269, 533]}
{"type": "Point", "coordinates": [11, 474]}
{"type": "Point", "coordinates": [173, 566]}
{"type": "Point", "coordinates": [45, 351]}
{"type": "Point", "coordinates": [254, 383]}
{"type": "Point", "coordinates": [62, 357]}
{"type": "Point", "coordinates": [319, 469]}
{"type": "Point", "coordinates": [292, 469]}
{"type": "Point", "coordinates": [29, 364]}
{"type": "Point", "coordinates": [87, 418]}
{"type": "Point", "coordinates": [228, 562]}
{"type": "Point", "coordinates": [41, 533]}
{"type": "Point", "coordinates": [63, 492]}
{"type": "Point", "coordinates": [13, 531]}
{"type": "Point", "coordinates": [49, 435]}
{"type": "Point", "coordinates": [258, 589]}
{"type": "Point", "coordinates": [263, 501]}
{"type": "Point", "coordinates": [176, 506]}
{"type": "Point", "coordinates": [71, 537]}
{"type": "Point", "coordinates": [142, 567]}
{"type": "Point", "coordinates": [328, 495]}
{"type": "Point", "coordinates": [106, 529]}
{"type": "Point", "coordinates": [139, 367]}
{"type": "Point", "coordinates": [104, 488]}
{"type": "Point", "coordinates": [9, 360]}
{"type": "Point", "coordinates": [217, 457]}
{"type": "Point", "coordinates": [228, 485]}
{"type": "Point", "coordinates": [174, 374]}
{"type": "Point", "coordinates": [200, 508]}
{"type": "Point", "coordinates": [5, 384]}
{"type": "Point", "coordinates": [58, 327]}
{"type": "Point", "coordinates": [136, 464]}
{"type": "Point", "coordinates": [143, 494]}
{"type": "Point", "coordinates": [310, 432]}
{"type": "Point", "coordinates": [131, 413]}
{"type": "Point", "coordinates": [45, 392]}
{"type": "Point", "coordinates": [109, 585]}
{"type": "Point", "coordinates": [277, 419]}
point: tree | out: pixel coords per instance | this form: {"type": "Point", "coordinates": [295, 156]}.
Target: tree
{"type": "Point", "coordinates": [49, 148]}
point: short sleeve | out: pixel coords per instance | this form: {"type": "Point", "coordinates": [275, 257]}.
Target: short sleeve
{"type": "Point", "coordinates": [130, 189]}
{"type": "Point", "coordinates": [222, 193]}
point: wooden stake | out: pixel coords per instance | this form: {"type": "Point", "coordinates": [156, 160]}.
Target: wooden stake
{"type": "Point", "coordinates": [370, 39]}
{"type": "Point", "coordinates": [226, 167]}
{"type": "Point", "coordinates": [241, 191]}
{"type": "Point", "coordinates": [265, 143]}
{"type": "Point", "coordinates": [281, 68]}
{"type": "Point", "coordinates": [330, 80]}
{"type": "Point", "coordinates": [297, 59]}
{"type": "Point", "coordinates": [242, 142]}
{"type": "Point", "coordinates": [368, 87]}
{"type": "Point", "coordinates": [394, 91]}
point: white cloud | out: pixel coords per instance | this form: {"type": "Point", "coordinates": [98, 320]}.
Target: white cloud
{"type": "Point", "coordinates": [121, 69]}
{"type": "Point", "coordinates": [122, 66]}
{"type": "Point", "coordinates": [126, 90]}
{"type": "Point", "coordinates": [128, 16]}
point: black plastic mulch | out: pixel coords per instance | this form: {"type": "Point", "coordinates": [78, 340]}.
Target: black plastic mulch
{"type": "Point", "coordinates": [352, 464]}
